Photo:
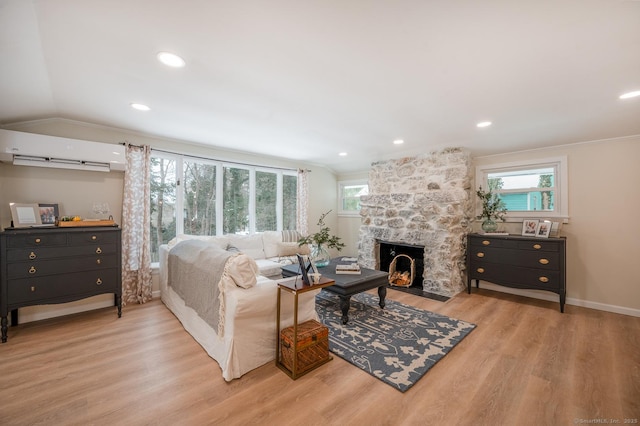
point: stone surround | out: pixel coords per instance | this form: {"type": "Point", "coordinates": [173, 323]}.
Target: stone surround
{"type": "Point", "coordinates": [425, 201]}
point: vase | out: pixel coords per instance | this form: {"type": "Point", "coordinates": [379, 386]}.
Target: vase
{"type": "Point", "coordinates": [489, 225]}
{"type": "Point", "coordinates": [320, 255]}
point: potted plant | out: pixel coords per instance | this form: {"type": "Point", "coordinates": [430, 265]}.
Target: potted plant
{"type": "Point", "coordinates": [493, 208]}
{"type": "Point", "coordinates": [320, 242]}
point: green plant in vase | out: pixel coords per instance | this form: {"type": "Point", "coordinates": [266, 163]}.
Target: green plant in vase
{"type": "Point", "coordinates": [321, 242]}
{"type": "Point", "coordinates": [493, 208]}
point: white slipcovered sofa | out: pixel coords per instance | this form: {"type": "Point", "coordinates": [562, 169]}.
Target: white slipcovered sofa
{"type": "Point", "coordinates": [249, 289]}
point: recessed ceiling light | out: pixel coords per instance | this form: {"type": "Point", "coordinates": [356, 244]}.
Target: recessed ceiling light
{"type": "Point", "coordinates": [630, 94]}
{"type": "Point", "coordinates": [140, 107]}
{"type": "Point", "coordinates": [398, 142]}
{"type": "Point", "coordinates": [171, 60]}
{"type": "Point", "coordinates": [343, 154]}
{"type": "Point", "coordinates": [484, 124]}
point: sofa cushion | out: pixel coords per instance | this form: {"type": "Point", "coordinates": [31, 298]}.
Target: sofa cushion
{"type": "Point", "coordinates": [270, 241]}
{"type": "Point", "coordinates": [242, 269]}
{"type": "Point", "coordinates": [221, 242]}
{"type": "Point", "coordinates": [269, 268]}
{"type": "Point", "coordinates": [248, 244]}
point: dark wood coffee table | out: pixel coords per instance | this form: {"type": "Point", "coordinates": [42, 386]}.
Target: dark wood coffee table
{"type": "Point", "coordinates": [346, 285]}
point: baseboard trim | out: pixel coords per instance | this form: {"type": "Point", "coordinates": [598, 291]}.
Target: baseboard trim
{"type": "Point", "coordinates": [544, 295]}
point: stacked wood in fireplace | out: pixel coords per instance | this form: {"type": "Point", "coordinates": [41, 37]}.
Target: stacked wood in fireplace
{"type": "Point", "coordinates": [401, 279]}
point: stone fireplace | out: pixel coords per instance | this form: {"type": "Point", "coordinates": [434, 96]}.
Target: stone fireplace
{"type": "Point", "coordinates": [421, 201]}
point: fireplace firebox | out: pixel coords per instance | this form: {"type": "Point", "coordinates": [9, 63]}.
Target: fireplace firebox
{"type": "Point", "coordinates": [389, 250]}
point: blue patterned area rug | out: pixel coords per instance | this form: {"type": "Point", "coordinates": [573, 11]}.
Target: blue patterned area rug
{"type": "Point", "coordinates": [397, 344]}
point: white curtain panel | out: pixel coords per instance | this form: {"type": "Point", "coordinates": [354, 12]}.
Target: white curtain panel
{"type": "Point", "coordinates": [302, 208]}
{"type": "Point", "coordinates": [136, 256]}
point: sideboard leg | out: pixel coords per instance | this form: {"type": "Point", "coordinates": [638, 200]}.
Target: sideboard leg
{"type": "Point", "coordinates": [119, 304]}
{"type": "Point", "coordinates": [4, 323]}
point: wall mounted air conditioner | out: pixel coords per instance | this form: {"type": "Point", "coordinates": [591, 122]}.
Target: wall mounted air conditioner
{"type": "Point", "coordinates": [30, 149]}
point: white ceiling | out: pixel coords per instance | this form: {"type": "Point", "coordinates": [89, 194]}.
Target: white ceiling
{"type": "Point", "coordinates": [308, 79]}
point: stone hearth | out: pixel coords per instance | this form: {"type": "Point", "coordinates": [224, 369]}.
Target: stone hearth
{"type": "Point", "coordinates": [423, 201]}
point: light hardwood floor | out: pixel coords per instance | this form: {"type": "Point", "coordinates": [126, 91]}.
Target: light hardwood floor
{"type": "Point", "coordinates": [525, 364]}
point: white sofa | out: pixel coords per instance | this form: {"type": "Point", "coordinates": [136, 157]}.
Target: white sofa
{"type": "Point", "coordinates": [249, 337]}
{"type": "Point", "coordinates": [271, 249]}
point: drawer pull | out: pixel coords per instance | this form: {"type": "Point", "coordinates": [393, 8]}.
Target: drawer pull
{"type": "Point", "coordinates": [98, 281]}
{"type": "Point", "coordinates": [480, 270]}
{"type": "Point", "coordinates": [486, 242]}
{"type": "Point", "coordinates": [480, 254]}
{"type": "Point", "coordinates": [33, 288]}
{"type": "Point", "coordinates": [94, 237]}
{"type": "Point", "coordinates": [38, 240]}
{"type": "Point", "coordinates": [32, 255]}
{"type": "Point", "coordinates": [537, 246]}
{"type": "Point", "coordinates": [32, 270]}
{"type": "Point", "coordinates": [543, 279]}
{"type": "Point", "coordinates": [98, 250]}
{"type": "Point", "coordinates": [98, 261]}
{"type": "Point", "coordinates": [544, 261]}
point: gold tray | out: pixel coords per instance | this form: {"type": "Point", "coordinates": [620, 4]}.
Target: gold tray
{"type": "Point", "coordinates": [76, 223]}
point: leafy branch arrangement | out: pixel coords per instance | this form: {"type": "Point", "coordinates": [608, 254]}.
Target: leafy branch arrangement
{"type": "Point", "coordinates": [322, 237]}
{"type": "Point", "coordinates": [493, 208]}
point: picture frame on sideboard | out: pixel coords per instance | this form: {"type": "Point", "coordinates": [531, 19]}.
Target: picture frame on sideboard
{"type": "Point", "coordinates": [25, 215]}
{"type": "Point", "coordinates": [529, 227]}
{"type": "Point", "coordinates": [48, 213]}
{"type": "Point", "coordinates": [543, 230]}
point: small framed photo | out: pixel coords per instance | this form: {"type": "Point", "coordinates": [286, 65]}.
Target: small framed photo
{"type": "Point", "coordinates": [25, 215]}
{"type": "Point", "coordinates": [529, 227]}
{"type": "Point", "coordinates": [48, 213]}
{"type": "Point", "coordinates": [543, 230]}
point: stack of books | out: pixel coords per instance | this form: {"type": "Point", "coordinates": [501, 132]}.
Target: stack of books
{"type": "Point", "coordinates": [350, 268]}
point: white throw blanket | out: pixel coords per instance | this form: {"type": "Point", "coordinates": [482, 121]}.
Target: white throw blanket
{"type": "Point", "coordinates": [196, 269]}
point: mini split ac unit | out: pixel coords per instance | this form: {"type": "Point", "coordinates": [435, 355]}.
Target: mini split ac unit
{"type": "Point", "coordinates": [30, 149]}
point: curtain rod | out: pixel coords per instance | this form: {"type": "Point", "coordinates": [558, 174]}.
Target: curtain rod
{"type": "Point", "coordinates": [226, 161]}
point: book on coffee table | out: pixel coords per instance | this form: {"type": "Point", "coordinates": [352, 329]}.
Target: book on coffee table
{"type": "Point", "coordinates": [350, 268]}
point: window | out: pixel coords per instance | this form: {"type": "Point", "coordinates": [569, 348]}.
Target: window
{"type": "Point", "coordinates": [529, 189]}
{"type": "Point", "coordinates": [208, 197]}
{"type": "Point", "coordinates": [349, 193]}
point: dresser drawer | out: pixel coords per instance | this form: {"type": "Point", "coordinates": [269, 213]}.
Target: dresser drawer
{"type": "Point", "coordinates": [528, 258]}
{"type": "Point", "coordinates": [533, 244]}
{"type": "Point", "coordinates": [44, 253]}
{"type": "Point", "coordinates": [60, 266]}
{"type": "Point", "coordinates": [37, 240]}
{"type": "Point", "coordinates": [515, 276]}
{"type": "Point", "coordinates": [93, 237]}
{"type": "Point", "coordinates": [62, 287]}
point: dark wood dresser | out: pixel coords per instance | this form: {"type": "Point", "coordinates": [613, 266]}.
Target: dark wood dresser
{"type": "Point", "coordinates": [518, 262]}
{"type": "Point", "coordinates": [56, 265]}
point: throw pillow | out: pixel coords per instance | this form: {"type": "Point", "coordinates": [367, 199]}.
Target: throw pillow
{"type": "Point", "coordinates": [291, 249]}
{"type": "Point", "coordinates": [243, 269]}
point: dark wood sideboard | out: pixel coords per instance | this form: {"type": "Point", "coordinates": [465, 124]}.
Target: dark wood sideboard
{"type": "Point", "coordinates": [518, 262]}
{"type": "Point", "coordinates": [57, 265]}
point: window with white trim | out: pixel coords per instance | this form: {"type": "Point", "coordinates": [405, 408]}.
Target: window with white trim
{"type": "Point", "coordinates": [529, 189]}
{"type": "Point", "coordinates": [210, 197]}
{"type": "Point", "coordinates": [349, 193]}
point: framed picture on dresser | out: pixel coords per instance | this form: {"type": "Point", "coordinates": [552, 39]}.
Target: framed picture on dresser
{"type": "Point", "coordinates": [48, 213]}
{"type": "Point", "coordinates": [529, 227]}
{"type": "Point", "coordinates": [25, 215]}
{"type": "Point", "coordinates": [543, 229]}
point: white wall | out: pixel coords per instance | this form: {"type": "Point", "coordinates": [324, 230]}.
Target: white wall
{"type": "Point", "coordinates": [75, 191]}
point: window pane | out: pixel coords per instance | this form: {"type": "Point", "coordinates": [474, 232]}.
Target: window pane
{"type": "Point", "coordinates": [351, 196]}
{"type": "Point", "coordinates": [163, 202]}
{"type": "Point", "coordinates": [266, 192]}
{"type": "Point", "coordinates": [289, 201]}
{"type": "Point", "coordinates": [236, 201]}
{"type": "Point", "coordinates": [521, 189]}
{"type": "Point", "coordinates": [199, 198]}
